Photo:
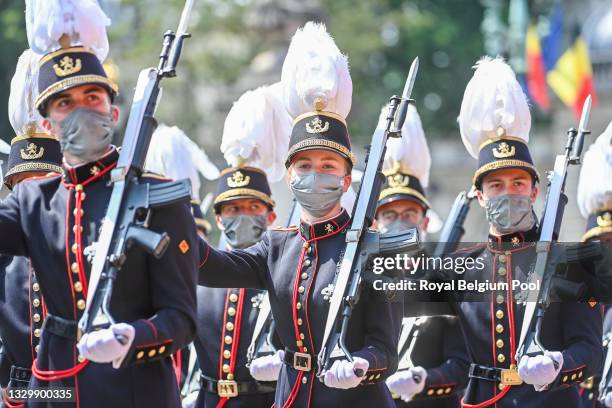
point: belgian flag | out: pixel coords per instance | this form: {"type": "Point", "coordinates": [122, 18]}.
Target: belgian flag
{"type": "Point", "coordinates": [536, 70]}
{"type": "Point", "coordinates": [572, 76]}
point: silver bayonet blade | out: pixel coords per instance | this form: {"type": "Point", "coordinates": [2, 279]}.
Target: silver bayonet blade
{"type": "Point", "coordinates": [586, 114]}
{"type": "Point", "coordinates": [414, 68]}
{"type": "Point", "coordinates": [182, 28]}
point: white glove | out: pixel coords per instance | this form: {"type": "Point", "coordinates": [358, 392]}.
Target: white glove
{"type": "Point", "coordinates": [267, 368]}
{"type": "Point", "coordinates": [342, 373]}
{"type": "Point", "coordinates": [102, 346]}
{"type": "Point", "coordinates": [540, 370]}
{"type": "Point", "coordinates": [608, 400]}
{"type": "Point", "coordinates": [407, 383]}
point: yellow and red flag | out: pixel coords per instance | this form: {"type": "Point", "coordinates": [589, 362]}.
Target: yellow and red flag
{"type": "Point", "coordinates": [572, 76]}
{"type": "Point", "coordinates": [536, 71]}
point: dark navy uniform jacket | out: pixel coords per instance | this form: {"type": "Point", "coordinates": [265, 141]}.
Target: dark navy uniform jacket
{"type": "Point", "coordinates": [43, 219]}
{"type": "Point", "coordinates": [492, 328]}
{"type": "Point", "coordinates": [297, 266]}
{"type": "Point", "coordinates": [225, 314]}
{"type": "Point", "coordinates": [589, 389]}
{"type": "Point", "coordinates": [439, 348]}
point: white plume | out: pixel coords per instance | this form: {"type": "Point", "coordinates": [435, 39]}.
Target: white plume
{"type": "Point", "coordinates": [83, 20]}
{"type": "Point", "coordinates": [23, 115]}
{"type": "Point", "coordinates": [411, 151]}
{"type": "Point", "coordinates": [5, 148]}
{"type": "Point", "coordinates": [257, 131]}
{"type": "Point", "coordinates": [595, 183]}
{"type": "Point", "coordinates": [493, 98]}
{"type": "Point", "coordinates": [174, 155]}
{"type": "Point", "coordinates": [316, 69]}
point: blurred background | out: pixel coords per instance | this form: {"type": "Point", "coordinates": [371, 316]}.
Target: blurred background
{"type": "Point", "coordinates": [561, 50]}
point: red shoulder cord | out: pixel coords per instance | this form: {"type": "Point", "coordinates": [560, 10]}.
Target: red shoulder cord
{"type": "Point", "coordinates": [53, 375]}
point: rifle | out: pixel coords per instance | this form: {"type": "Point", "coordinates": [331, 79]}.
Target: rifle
{"type": "Point", "coordinates": [131, 203]}
{"type": "Point", "coordinates": [264, 325]}
{"type": "Point", "coordinates": [361, 243]}
{"type": "Point", "coordinates": [605, 386]}
{"type": "Point", "coordinates": [453, 227]}
{"type": "Point", "coordinates": [529, 341]}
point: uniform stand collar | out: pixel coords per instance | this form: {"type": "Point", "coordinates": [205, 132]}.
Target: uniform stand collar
{"type": "Point", "coordinates": [515, 240]}
{"type": "Point", "coordinates": [324, 228]}
{"type": "Point", "coordinates": [86, 172]}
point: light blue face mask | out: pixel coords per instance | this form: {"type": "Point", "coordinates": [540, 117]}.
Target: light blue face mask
{"type": "Point", "coordinates": [244, 230]}
{"type": "Point", "coordinates": [317, 193]}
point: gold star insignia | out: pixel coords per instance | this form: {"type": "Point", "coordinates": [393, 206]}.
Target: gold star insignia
{"type": "Point", "coordinates": [515, 242]}
{"type": "Point", "coordinates": [95, 170]}
{"type": "Point", "coordinates": [329, 228]}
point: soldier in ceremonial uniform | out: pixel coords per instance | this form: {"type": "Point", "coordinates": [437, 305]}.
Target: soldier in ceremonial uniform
{"type": "Point", "coordinates": [495, 124]}
{"type": "Point", "coordinates": [297, 265]}
{"type": "Point", "coordinates": [55, 219]}
{"type": "Point", "coordinates": [33, 154]}
{"type": "Point", "coordinates": [595, 203]}
{"type": "Point", "coordinates": [433, 362]}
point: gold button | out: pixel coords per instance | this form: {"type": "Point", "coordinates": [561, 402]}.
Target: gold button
{"type": "Point", "coordinates": [430, 391]}
{"type": "Point", "coordinates": [228, 339]}
{"type": "Point", "coordinates": [139, 355]}
{"type": "Point", "coordinates": [307, 262]}
{"type": "Point", "coordinates": [36, 317]}
{"type": "Point", "coordinates": [81, 304]}
{"type": "Point", "coordinates": [499, 343]}
{"type": "Point", "coordinates": [304, 275]}
{"type": "Point", "coordinates": [80, 359]}
{"type": "Point", "coordinates": [499, 314]}
{"type": "Point", "coordinates": [499, 299]}
{"type": "Point", "coordinates": [302, 336]}
{"type": "Point", "coordinates": [306, 245]}
{"type": "Point", "coordinates": [83, 195]}
{"type": "Point", "coordinates": [304, 380]}
{"type": "Point", "coordinates": [78, 286]}
{"type": "Point", "coordinates": [36, 303]}
{"type": "Point", "coordinates": [301, 289]}
{"type": "Point", "coordinates": [152, 353]}
{"type": "Point", "coordinates": [37, 348]}
{"type": "Point", "coordinates": [233, 297]}
{"type": "Point", "coordinates": [299, 321]}
{"type": "Point", "coordinates": [501, 358]}
{"type": "Point", "coordinates": [298, 305]}
{"type": "Point", "coordinates": [499, 328]}
{"type": "Point", "coordinates": [227, 354]}
{"type": "Point", "coordinates": [574, 376]}
{"type": "Point", "coordinates": [299, 343]}
{"type": "Point", "coordinates": [75, 212]}
{"type": "Point", "coordinates": [226, 368]}
{"type": "Point", "coordinates": [161, 350]}
{"type": "Point", "coordinates": [35, 287]}
{"type": "Point", "coordinates": [501, 387]}
{"type": "Point", "coordinates": [230, 376]}
{"type": "Point", "coordinates": [78, 187]}
{"type": "Point", "coordinates": [305, 350]}
{"type": "Point", "coordinates": [580, 374]}
{"type": "Point", "coordinates": [564, 379]}
{"type": "Point", "coordinates": [448, 390]}
{"type": "Point", "coordinates": [377, 376]}
{"type": "Point", "coordinates": [37, 333]}
{"type": "Point", "coordinates": [75, 248]}
{"type": "Point", "coordinates": [231, 311]}
{"type": "Point", "coordinates": [309, 250]}
{"type": "Point", "coordinates": [74, 267]}
{"type": "Point", "coordinates": [440, 391]}
{"type": "Point", "coordinates": [502, 271]}
{"type": "Point", "coordinates": [74, 229]}
{"type": "Point", "coordinates": [229, 326]}
{"type": "Point", "coordinates": [501, 258]}
{"type": "Point", "coordinates": [371, 378]}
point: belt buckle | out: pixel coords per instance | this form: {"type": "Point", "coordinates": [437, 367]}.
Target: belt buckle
{"type": "Point", "coordinates": [302, 361]}
{"type": "Point", "coordinates": [510, 376]}
{"type": "Point", "coordinates": [227, 388]}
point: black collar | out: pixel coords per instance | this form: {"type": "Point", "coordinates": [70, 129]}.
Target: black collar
{"type": "Point", "coordinates": [515, 240]}
{"type": "Point", "coordinates": [91, 171]}
{"type": "Point", "coordinates": [325, 228]}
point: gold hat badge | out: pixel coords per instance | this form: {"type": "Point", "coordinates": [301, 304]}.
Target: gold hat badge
{"type": "Point", "coordinates": [32, 152]}
{"type": "Point", "coordinates": [238, 180]}
{"type": "Point", "coordinates": [504, 150]}
{"type": "Point", "coordinates": [67, 66]}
